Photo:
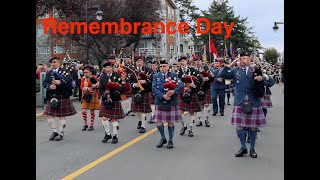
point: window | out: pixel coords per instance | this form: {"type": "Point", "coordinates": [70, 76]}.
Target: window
{"type": "Point", "coordinates": [74, 48]}
{"type": "Point", "coordinates": [181, 48]}
{"type": "Point", "coordinates": [40, 31]}
{"type": "Point", "coordinates": [177, 49]}
{"type": "Point", "coordinates": [46, 15]}
{"type": "Point", "coordinates": [56, 13]}
{"type": "Point", "coordinates": [58, 49]}
{"type": "Point", "coordinates": [145, 45]}
{"type": "Point", "coordinates": [43, 49]}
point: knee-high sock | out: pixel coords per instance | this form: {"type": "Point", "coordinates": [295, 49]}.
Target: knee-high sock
{"type": "Point", "coordinates": [143, 120]}
{"type": "Point", "coordinates": [199, 115]}
{"type": "Point", "coordinates": [161, 130]}
{"type": "Point", "coordinates": [253, 135]}
{"type": "Point", "coordinates": [84, 115]}
{"type": "Point", "coordinates": [52, 124]}
{"type": "Point", "coordinates": [62, 125]}
{"type": "Point", "coordinates": [206, 111]}
{"type": "Point", "coordinates": [106, 126]}
{"type": "Point", "coordinates": [241, 134]}
{"type": "Point", "coordinates": [192, 119]}
{"type": "Point", "coordinates": [153, 108]}
{"type": "Point", "coordinates": [171, 132]}
{"type": "Point", "coordinates": [183, 121]}
{"type": "Point", "coordinates": [92, 118]}
{"type": "Point", "coordinates": [129, 101]}
{"type": "Point", "coordinates": [115, 128]}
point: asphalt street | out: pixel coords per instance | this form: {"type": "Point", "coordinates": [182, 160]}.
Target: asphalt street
{"type": "Point", "coordinates": [209, 155]}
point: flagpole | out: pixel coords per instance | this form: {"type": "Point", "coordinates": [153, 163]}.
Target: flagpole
{"type": "Point", "coordinates": [209, 48]}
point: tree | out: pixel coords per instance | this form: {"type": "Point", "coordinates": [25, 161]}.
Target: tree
{"type": "Point", "coordinates": [241, 36]}
{"type": "Point", "coordinates": [271, 55]}
{"type": "Point", "coordinates": [101, 45]}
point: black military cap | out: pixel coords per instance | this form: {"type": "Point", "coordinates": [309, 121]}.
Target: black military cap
{"type": "Point", "coordinates": [163, 62]}
{"type": "Point", "coordinates": [181, 58]}
{"type": "Point", "coordinates": [54, 58]}
{"type": "Point", "coordinates": [107, 64]}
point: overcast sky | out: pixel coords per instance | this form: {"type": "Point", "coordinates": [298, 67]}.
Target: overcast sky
{"type": "Point", "coordinates": [261, 15]}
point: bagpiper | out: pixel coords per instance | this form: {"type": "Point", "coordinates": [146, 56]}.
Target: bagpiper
{"type": "Point", "coordinates": [58, 83]}
{"type": "Point", "coordinates": [166, 86]}
{"type": "Point", "coordinates": [247, 112]}
{"type": "Point", "coordinates": [188, 99]}
{"type": "Point", "coordinates": [152, 70]}
{"type": "Point", "coordinates": [110, 109]}
{"type": "Point", "coordinates": [141, 88]}
{"type": "Point", "coordinates": [90, 96]}
{"type": "Point", "coordinates": [204, 94]}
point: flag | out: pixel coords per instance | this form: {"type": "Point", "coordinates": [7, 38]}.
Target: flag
{"type": "Point", "coordinates": [204, 55]}
{"type": "Point", "coordinates": [212, 47]}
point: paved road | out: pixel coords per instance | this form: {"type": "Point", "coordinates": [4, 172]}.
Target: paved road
{"type": "Point", "coordinates": [206, 156]}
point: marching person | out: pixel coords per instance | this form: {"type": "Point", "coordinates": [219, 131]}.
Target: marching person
{"type": "Point", "coordinates": [188, 101]}
{"type": "Point", "coordinates": [153, 70]}
{"type": "Point", "coordinates": [204, 95]}
{"type": "Point", "coordinates": [217, 89]}
{"type": "Point", "coordinates": [166, 86]}
{"type": "Point", "coordinates": [58, 83]}
{"type": "Point", "coordinates": [111, 87]}
{"type": "Point", "coordinates": [127, 103]}
{"type": "Point", "coordinates": [141, 87]}
{"type": "Point", "coordinates": [90, 93]}
{"type": "Point", "coordinates": [247, 111]}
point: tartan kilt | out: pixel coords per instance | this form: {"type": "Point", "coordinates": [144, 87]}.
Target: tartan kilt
{"type": "Point", "coordinates": [144, 107]}
{"type": "Point", "coordinates": [254, 119]}
{"type": "Point", "coordinates": [171, 116]}
{"type": "Point", "coordinates": [266, 101]}
{"type": "Point", "coordinates": [94, 102]}
{"type": "Point", "coordinates": [151, 98]}
{"type": "Point", "coordinates": [65, 108]}
{"type": "Point", "coordinates": [207, 99]}
{"type": "Point", "coordinates": [115, 113]}
{"type": "Point", "coordinates": [193, 106]}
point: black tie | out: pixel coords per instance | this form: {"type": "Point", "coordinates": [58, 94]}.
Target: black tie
{"type": "Point", "coordinates": [245, 70]}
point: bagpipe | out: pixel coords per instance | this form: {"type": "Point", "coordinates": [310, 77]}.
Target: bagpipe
{"type": "Point", "coordinates": [168, 85]}
{"type": "Point", "coordinates": [188, 79]}
{"type": "Point", "coordinates": [205, 85]}
{"type": "Point", "coordinates": [87, 95]}
{"type": "Point", "coordinates": [113, 91]}
{"type": "Point", "coordinates": [258, 88]}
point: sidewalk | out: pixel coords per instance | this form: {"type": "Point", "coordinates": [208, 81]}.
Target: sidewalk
{"type": "Point", "coordinates": [39, 110]}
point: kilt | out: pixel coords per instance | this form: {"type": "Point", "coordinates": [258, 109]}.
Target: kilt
{"type": "Point", "coordinates": [173, 115]}
{"type": "Point", "coordinates": [115, 113]}
{"type": "Point", "coordinates": [266, 101]}
{"type": "Point", "coordinates": [94, 102]}
{"type": "Point", "coordinates": [254, 119]}
{"type": "Point", "coordinates": [193, 106]}
{"type": "Point", "coordinates": [207, 99]}
{"type": "Point", "coordinates": [65, 108]}
{"type": "Point", "coordinates": [151, 98]}
{"type": "Point", "coordinates": [144, 107]}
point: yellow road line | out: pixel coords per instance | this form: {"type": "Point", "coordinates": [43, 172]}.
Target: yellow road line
{"type": "Point", "coordinates": [39, 115]}
{"type": "Point", "coordinates": [109, 155]}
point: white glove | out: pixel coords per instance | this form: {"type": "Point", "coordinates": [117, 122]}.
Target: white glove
{"type": "Point", "coordinates": [266, 76]}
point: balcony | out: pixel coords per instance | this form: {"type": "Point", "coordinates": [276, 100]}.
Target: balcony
{"type": "Point", "coordinates": [148, 51]}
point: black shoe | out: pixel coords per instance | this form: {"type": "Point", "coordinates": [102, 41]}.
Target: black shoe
{"type": "Point", "coordinates": [114, 140]}
{"type": "Point", "coordinates": [183, 130]}
{"type": "Point", "coordinates": [214, 114]}
{"type": "Point", "coordinates": [258, 130]}
{"type": "Point", "coordinates": [58, 138]}
{"type": "Point", "coordinates": [128, 113]}
{"type": "Point", "coordinates": [91, 128]}
{"type": "Point", "coordinates": [139, 125]}
{"type": "Point", "coordinates": [228, 103]}
{"type": "Point", "coordinates": [84, 127]}
{"type": "Point", "coordinates": [170, 145]}
{"type": "Point", "coordinates": [207, 123]}
{"type": "Point", "coordinates": [106, 138]}
{"type": "Point", "coordinates": [241, 152]}
{"type": "Point", "coordinates": [161, 143]}
{"type": "Point", "coordinates": [199, 123]}
{"type": "Point", "coordinates": [53, 135]}
{"type": "Point", "coordinates": [142, 130]}
{"type": "Point", "coordinates": [221, 114]}
{"type": "Point", "coordinates": [75, 96]}
{"type": "Point", "coordinates": [190, 132]}
{"type": "Point", "coordinates": [253, 153]}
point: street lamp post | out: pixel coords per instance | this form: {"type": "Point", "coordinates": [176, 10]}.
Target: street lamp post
{"type": "Point", "coordinates": [98, 15]}
{"type": "Point", "coordinates": [275, 27]}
